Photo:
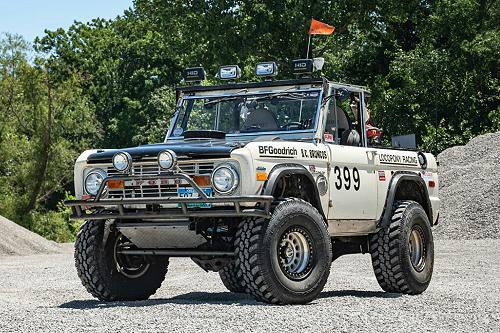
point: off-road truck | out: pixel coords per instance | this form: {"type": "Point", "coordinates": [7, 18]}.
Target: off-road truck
{"type": "Point", "coordinates": [265, 183]}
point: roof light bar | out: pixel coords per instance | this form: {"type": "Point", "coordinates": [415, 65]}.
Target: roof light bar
{"type": "Point", "coordinates": [266, 69]}
{"type": "Point", "coordinates": [232, 72]}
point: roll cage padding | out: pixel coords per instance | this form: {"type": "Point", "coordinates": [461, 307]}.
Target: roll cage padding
{"type": "Point", "coordinates": [287, 170]}
{"type": "Point", "coordinates": [398, 180]}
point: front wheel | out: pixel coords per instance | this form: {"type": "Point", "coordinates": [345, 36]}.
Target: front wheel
{"type": "Point", "coordinates": [229, 277]}
{"type": "Point", "coordinates": [110, 275]}
{"type": "Point", "coordinates": [284, 260]}
{"type": "Point", "coordinates": [403, 252]}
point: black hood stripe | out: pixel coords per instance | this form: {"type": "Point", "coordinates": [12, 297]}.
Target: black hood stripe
{"type": "Point", "coordinates": [204, 149]}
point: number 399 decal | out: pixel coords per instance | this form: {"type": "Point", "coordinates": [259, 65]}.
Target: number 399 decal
{"type": "Point", "coordinates": [344, 178]}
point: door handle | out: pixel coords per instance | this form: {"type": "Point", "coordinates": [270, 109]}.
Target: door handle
{"type": "Point", "coordinates": [370, 154]}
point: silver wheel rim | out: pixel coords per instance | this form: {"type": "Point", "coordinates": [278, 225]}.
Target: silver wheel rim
{"type": "Point", "coordinates": [417, 248]}
{"type": "Point", "coordinates": [295, 253]}
{"type": "Point", "coordinates": [125, 264]}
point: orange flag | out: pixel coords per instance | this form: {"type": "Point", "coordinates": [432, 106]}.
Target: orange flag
{"type": "Point", "coordinates": [320, 28]}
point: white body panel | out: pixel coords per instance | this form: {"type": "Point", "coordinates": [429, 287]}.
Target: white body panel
{"type": "Point", "coordinates": [313, 157]}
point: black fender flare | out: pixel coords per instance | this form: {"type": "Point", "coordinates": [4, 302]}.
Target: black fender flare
{"type": "Point", "coordinates": [396, 180]}
{"type": "Point", "coordinates": [287, 169]}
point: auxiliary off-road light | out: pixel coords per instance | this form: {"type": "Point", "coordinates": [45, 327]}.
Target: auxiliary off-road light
{"type": "Point", "coordinates": [167, 159]}
{"type": "Point", "coordinates": [307, 66]}
{"type": "Point", "coordinates": [266, 69]}
{"type": "Point", "coordinates": [302, 66]}
{"type": "Point", "coordinates": [232, 72]}
{"type": "Point", "coordinates": [194, 74]}
{"type": "Point", "coordinates": [122, 161]}
{"type": "Point", "coordinates": [93, 181]}
{"type": "Point", "coordinates": [225, 179]}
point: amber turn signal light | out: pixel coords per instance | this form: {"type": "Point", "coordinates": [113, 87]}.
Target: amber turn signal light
{"type": "Point", "coordinates": [262, 176]}
{"type": "Point", "coordinates": [202, 180]}
{"type": "Point", "coordinates": [116, 184]}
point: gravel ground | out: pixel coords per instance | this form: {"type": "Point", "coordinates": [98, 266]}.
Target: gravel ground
{"type": "Point", "coordinates": [43, 293]}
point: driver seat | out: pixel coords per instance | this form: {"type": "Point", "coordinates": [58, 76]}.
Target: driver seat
{"type": "Point", "coordinates": [348, 135]}
{"type": "Point", "coordinates": [261, 119]}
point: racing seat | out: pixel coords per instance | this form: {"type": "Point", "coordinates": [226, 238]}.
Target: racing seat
{"type": "Point", "coordinates": [348, 135]}
{"type": "Point", "coordinates": [261, 119]}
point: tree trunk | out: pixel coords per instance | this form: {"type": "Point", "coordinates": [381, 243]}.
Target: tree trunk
{"type": "Point", "coordinates": [43, 160]}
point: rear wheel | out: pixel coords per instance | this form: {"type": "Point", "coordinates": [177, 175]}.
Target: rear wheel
{"type": "Point", "coordinates": [403, 252]}
{"type": "Point", "coordinates": [284, 260]}
{"type": "Point", "coordinates": [110, 275]}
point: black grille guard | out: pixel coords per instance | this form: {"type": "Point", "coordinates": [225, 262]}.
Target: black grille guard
{"type": "Point", "coordinates": [100, 208]}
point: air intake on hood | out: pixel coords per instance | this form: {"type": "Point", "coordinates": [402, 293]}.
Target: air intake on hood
{"type": "Point", "coordinates": [209, 134]}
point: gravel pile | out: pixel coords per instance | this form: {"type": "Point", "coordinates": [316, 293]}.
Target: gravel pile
{"type": "Point", "coordinates": [16, 240]}
{"type": "Point", "coordinates": [470, 189]}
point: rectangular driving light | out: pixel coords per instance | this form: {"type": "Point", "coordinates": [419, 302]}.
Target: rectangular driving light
{"type": "Point", "coordinates": [232, 72]}
{"type": "Point", "coordinates": [266, 69]}
{"type": "Point", "coordinates": [194, 74]}
{"type": "Point", "coordinates": [302, 66]}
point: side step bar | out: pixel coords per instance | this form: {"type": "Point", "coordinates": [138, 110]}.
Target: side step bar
{"type": "Point", "coordinates": [177, 253]}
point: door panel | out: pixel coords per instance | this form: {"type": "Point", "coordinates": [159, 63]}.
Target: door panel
{"type": "Point", "coordinates": [353, 184]}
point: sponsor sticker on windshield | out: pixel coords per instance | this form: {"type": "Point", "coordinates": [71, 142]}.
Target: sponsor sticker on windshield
{"type": "Point", "coordinates": [328, 137]}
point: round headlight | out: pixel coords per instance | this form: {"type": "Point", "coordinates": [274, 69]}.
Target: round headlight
{"type": "Point", "coordinates": [122, 161]}
{"type": "Point", "coordinates": [94, 180]}
{"type": "Point", "coordinates": [167, 159]}
{"type": "Point", "coordinates": [225, 179]}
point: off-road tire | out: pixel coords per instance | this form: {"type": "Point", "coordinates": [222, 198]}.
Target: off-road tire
{"type": "Point", "coordinates": [228, 275]}
{"type": "Point", "coordinates": [257, 254]}
{"type": "Point", "coordinates": [98, 271]}
{"type": "Point", "coordinates": [390, 250]}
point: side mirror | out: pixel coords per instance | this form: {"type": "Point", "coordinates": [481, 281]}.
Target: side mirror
{"type": "Point", "coordinates": [342, 94]}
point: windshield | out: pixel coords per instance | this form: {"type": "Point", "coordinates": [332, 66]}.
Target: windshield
{"type": "Point", "coordinates": [283, 111]}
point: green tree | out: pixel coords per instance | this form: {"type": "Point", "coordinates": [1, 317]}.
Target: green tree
{"type": "Point", "coordinates": [46, 122]}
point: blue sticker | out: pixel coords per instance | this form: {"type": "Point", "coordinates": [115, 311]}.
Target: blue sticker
{"type": "Point", "coordinates": [178, 131]}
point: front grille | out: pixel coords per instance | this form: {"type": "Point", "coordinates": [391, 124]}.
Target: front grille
{"type": "Point", "coordinates": [156, 188]}
{"type": "Point", "coordinates": [152, 168]}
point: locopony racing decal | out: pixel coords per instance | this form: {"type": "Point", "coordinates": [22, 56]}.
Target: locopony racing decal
{"type": "Point", "coordinates": [281, 152]}
{"type": "Point", "coordinates": [398, 159]}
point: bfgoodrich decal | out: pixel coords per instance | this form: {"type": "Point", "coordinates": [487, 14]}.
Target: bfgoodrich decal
{"type": "Point", "coordinates": [279, 152]}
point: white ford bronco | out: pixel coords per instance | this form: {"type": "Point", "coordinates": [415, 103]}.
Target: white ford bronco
{"type": "Point", "coordinates": [266, 183]}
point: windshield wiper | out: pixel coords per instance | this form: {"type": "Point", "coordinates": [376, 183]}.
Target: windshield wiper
{"type": "Point", "coordinates": [283, 92]}
{"type": "Point", "coordinates": [226, 98]}
{"type": "Point", "coordinates": [222, 99]}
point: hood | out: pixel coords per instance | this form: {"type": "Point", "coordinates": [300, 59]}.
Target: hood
{"type": "Point", "coordinates": [191, 149]}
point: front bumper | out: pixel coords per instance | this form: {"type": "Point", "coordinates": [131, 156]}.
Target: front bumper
{"type": "Point", "coordinates": [100, 208]}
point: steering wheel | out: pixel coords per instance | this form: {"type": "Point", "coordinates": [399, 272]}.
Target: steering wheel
{"type": "Point", "coordinates": [293, 123]}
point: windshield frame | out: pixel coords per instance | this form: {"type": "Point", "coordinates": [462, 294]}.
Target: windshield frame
{"type": "Point", "coordinates": [247, 92]}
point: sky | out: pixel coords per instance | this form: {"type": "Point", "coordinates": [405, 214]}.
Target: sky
{"type": "Point", "coordinates": [30, 18]}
